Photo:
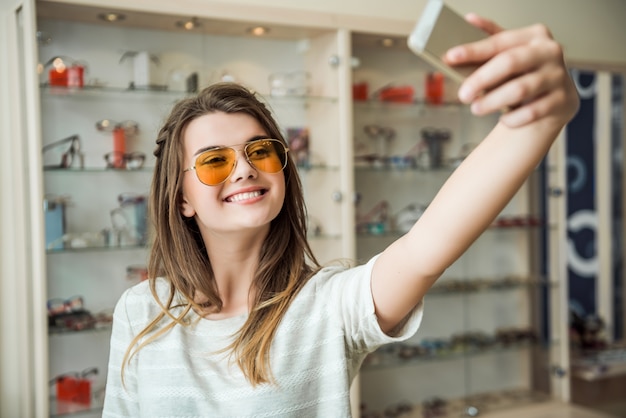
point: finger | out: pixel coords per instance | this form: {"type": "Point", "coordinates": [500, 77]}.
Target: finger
{"type": "Point", "coordinates": [485, 24]}
{"type": "Point", "coordinates": [483, 50]}
{"type": "Point", "coordinates": [509, 65]}
{"type": "Point", "coordinates": [516, 92]}
{"type": "Point", "coordinates": [541, 107]}
{"type": "Point", "coordinates": [561, 102]}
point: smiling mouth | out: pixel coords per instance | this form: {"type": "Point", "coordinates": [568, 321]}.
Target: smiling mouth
{"type": "Point", "coordinates": [245, 196]}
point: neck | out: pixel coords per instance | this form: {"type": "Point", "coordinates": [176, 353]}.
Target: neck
{"type": "Point", "coordinates": [234, 261]}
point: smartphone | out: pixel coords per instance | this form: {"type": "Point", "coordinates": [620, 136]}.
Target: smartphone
{"type": "Point", "coordinates": [438, 29]}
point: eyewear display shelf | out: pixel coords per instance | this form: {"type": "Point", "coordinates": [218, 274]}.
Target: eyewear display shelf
{"type": "Point", "coordinates": [97, 245]}
{"type": "Point", "coordinates": [485, 343]}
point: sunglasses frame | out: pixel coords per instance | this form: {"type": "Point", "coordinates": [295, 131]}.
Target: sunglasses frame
{"type": "Point", "coordinates": [245, 146]}
{"type": "Point", "coordinates": [125, 159]}
{"type": "Point", "coordinates": [67, 158]}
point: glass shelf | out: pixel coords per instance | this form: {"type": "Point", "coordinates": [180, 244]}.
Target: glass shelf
{"type": "Point", "coordinates": [415, 104]}
{"type": "Point", "coordinates": [99, 90]}
{"type": "Point", "coordinates": [95, 91]}
{"type": "Point", "coordinates": [65, 408]}
{"type": "Point", "coordinates": [96, 249]}
{"type": "Point", "coordinates": [402, 355]}
{"type": "Point", "coordinates": [312, 236]}
{"type": "Point", "coordinates": [67, 332]}
{"type": "Point", "coordinates": [474, 405]}
{"type": "Point", "coordinates": [303, 169]}
{"type": "Point", "coordinates": [451, 287]}
{"type": "Point", "coordinates": [283, 100]}
{"type": "Point", "coordinates": [96, 170]}
{"type": "Point", "coordinates": [383, 167]}
{"type": "Point", "coordinates": [398, 234]}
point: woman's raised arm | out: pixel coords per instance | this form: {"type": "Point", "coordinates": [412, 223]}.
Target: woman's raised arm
{"type": "Point", "coordinates": [524, 72]}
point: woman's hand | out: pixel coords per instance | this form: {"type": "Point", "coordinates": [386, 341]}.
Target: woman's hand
{"type": "Point", "coordinates": [523, 71]}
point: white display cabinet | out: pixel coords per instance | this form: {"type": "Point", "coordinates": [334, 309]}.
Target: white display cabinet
{"type": "Point", "coordinates": [485, 343]}
{"type": "Point", "coordinates": [298, 73]}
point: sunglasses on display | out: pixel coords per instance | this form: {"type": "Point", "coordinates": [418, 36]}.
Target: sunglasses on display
{"type": "Point", "coordinates": [67, 158]}
{"type": "Point", "coordinates": [215, 165]}
{"type": "Point", "coordinates": [63, 306]}
{"type": "Point", "coordinates": [130, 161]}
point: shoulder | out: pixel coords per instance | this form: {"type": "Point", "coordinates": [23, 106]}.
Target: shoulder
{"type": "Point", "coordinates": [143, 292]}
{"type": "Point", "coordinates": [139, 302]}
{"type": "Point", "coordinates": [337, 286]}
{"type": "Point", "coordinates": [345, 294]}
{"type": "Point", "coordinates": [341, 275]}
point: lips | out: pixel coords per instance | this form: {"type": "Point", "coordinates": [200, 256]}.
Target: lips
{"type": "Point", "coordinates": [242, 196]}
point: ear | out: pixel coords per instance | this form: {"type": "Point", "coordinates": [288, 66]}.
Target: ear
{"type": "Point", "coordinates": [186, 209]}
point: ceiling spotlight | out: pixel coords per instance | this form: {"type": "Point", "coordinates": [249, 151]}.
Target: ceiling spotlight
{"type": "Point", "coordinates": [258, 30]}
{"type": "Point", "coordinates": [190, 24]}
{"type": "Point", "coordinates": [387, 42]}
{"type": "Point", "coordinates": [111, 17]}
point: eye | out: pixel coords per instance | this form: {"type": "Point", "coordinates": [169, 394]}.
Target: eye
{"type": "Point", "coordinates": [258, 151]}
{"type": "Point", "coordinates": [215, 158]}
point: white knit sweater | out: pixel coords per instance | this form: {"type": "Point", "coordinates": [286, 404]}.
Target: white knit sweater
{"type": "Point", "coordinates": [316, 353]}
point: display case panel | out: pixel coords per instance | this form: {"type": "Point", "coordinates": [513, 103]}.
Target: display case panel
{"type": "Point", "coordinates": [106, 85]}
{"type": "Point", "coordinates": [484, 343]}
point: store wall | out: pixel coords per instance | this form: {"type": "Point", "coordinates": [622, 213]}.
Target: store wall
{"type": "Point", "coordinates": [594, 201]}
{"type": "Point", "coordinates": [590, 31]}
{"type": "Point", "coordinates": [582, 213]}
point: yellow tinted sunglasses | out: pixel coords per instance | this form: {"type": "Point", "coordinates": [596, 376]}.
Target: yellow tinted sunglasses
{"type": "Point", "coordinates": [215, 165]}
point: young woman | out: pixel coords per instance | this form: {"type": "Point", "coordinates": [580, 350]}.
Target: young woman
{"type": "Point", "coordinates": [237, 318]}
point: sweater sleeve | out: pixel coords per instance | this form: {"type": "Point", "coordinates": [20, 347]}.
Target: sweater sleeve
{"type": "Point", "coordinates": [352, 295]}
{"type": "Point", "coordinates": [121, 398]}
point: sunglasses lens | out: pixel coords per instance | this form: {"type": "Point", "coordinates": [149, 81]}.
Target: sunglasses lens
{"type": "Point", "coordinates": [214, 166]}
{"type": "Point", "coordinates": [56, 306]}
{"type": "Point", "coordinates": [135, 161]}
{"type": "Point", "coordinates": [114, 159]}
{"type": "Point", "coordinates": [269, 156]}
{"type": "Point", "coordinates": [74, 304]}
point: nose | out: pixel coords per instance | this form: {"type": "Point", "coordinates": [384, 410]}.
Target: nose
{"type": "Point", "coordinates": [243, 168]}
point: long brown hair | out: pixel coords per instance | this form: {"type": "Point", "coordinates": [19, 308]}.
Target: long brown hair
{"type": "Point", "coordinates": [178, 253]}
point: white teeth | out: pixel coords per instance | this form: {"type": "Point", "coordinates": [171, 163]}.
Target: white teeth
{"type": "Point", "coordinates": [244, 196]}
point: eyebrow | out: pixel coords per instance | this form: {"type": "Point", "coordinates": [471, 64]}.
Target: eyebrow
{"type": "Point", "coordinates": [212, 147]}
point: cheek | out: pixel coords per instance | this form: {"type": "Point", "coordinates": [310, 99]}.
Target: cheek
{"type": "Point", "coordinates": [197, 198]}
